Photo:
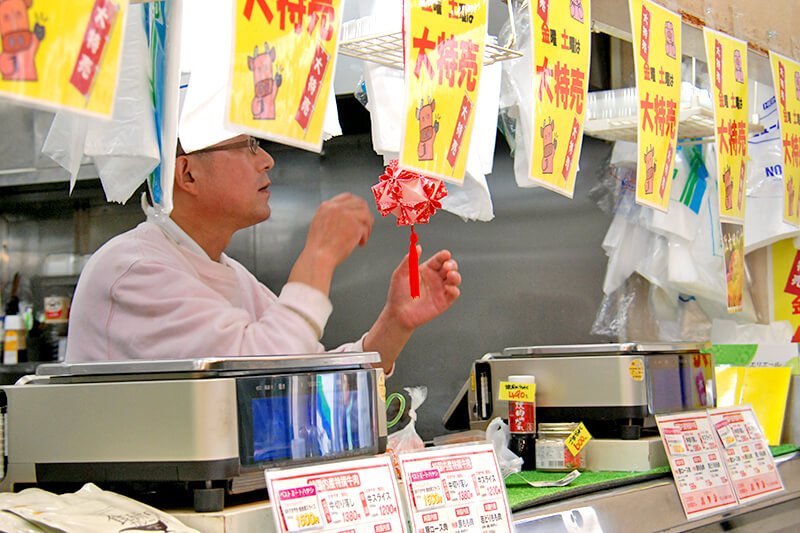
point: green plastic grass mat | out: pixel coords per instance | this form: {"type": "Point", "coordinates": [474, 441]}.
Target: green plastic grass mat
{"type": "Point", "coordinates": [522, 496]}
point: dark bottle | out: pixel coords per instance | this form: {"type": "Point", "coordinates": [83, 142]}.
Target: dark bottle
{"type": "Point", "coordinates": [523, 445]}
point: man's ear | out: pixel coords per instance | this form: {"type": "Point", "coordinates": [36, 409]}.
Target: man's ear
{"type": "Point", "coordinates": [184, 180]}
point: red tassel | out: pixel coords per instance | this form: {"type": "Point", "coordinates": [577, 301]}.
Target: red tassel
{"type": "Point", "coordinates": [413, 265]}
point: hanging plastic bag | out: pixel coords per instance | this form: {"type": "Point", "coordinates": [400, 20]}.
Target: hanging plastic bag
{"type": "Point", "coordinates": [498, 434]}
{"type": "Point", "coordinates": [407, 439]}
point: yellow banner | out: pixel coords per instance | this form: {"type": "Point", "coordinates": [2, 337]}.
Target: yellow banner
{"type": "Point", "coordinates": [786, 80]}
{"type": "Point", "coordinates": [733, 249]}
{"type": "Point", "coordinates": [282, 69]}
{"type": "Point", "coordinates": [657, 57]}
{"type": "Point", "coordinates": [561, 36]}
{"type": "Point", "coordinates": [444, 55]}
{"type": "Point", "coordinates": [62, 55]}
{"type": "Point", "coordinates": [727, 60]}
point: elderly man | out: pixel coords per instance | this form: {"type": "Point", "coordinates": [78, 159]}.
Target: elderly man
{"type": "Point", "coordinates": [166, 290]}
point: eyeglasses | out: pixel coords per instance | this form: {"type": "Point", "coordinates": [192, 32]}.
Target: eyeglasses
{"type": "Point", "coordinates": [251, 143]}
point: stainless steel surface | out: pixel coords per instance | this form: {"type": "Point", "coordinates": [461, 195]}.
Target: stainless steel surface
{"type": "Point", "coordinates": [214, 364]}
{"type": "Point", "coordinates": [607, 349]}
{"type": "Point", "coordinates": [655, 506]}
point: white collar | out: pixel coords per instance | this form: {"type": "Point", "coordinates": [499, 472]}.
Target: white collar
{"type": "Point", "coordinates": [172, 230]}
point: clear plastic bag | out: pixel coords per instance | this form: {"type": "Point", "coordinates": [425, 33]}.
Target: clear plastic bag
{"type": "Point", "coordinates": [498, 434]}
{"type": "Point", "coordinates": [407, 439]}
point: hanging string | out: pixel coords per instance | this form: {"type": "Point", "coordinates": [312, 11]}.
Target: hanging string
{"type": "Point", "coordinates": [413, 265]}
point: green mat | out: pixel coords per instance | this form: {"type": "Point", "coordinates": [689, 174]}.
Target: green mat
{"type": "Point", "coordinates": [522, 496]}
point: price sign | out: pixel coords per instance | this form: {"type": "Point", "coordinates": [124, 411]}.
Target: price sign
{"type": "Point", "coordinates": [357, 496]}
{"type": "Point", "coordinates": [517, 392]}
{"type": "Point", "coordinates": [747, 456]}
{"type": "Point", "coordinates": [577, 439]}
{"type": "Point", "coordinates": [455, 488]}
{"type": "Point", "coordinates": [696, 460]}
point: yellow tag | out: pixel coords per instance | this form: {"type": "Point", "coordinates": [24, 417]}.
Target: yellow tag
{"type": "Point", "coordinates": [472, 380]}
{"type": "Point", "coordinates": [382, 387]}
{"type": "Point", "coordinates": [636, 370]}
{"type": "Point", "coordinates": [517, 392]}
{"type": "Point", "coordinates": [577, 439]}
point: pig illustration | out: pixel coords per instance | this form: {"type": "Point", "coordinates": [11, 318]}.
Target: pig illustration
{"type": "Point", "coordinates": [549, 142]}
{"type": "Point", "coordinates": [19, 42]}
{"type": "Point", "coordinates": [737, 65]}
{"type": "Point", "coordinates": [576, 9]}
{"type": "Point", "coordinates": [428, 128]}
{"type": "Point", "coordinates": [726, 180]}
{"type": "Point", "coordinates": [650, 169]}
{"type": "Point", "coordinates": [669, 37]}
{"type": "Point", "coordinates": [266, 85]}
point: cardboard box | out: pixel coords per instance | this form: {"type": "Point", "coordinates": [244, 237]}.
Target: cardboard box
{"type": "Point", "coordinates": [625, 455]}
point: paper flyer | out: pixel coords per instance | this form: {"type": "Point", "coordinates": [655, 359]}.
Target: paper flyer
{"type": "Point", "coordinates": [62, 55]}
{"type": "Point", "coordinates": [561, 39]}
{"type": "Point", "coordinates": [727, 59]}
{"type": "Point", "coordinates": [657, 57]}
{"type": "Point", "coordinates": [733, 250]}
{"type": "Point", "coordinates": [444, 58]}
{"type": "Point", "coordinates": [283, 62]}
{"type": "Point", "coordinates": [786, 80]}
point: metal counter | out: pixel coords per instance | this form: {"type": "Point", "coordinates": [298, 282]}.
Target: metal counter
{"type": "Point", "coordinates": [648, 506]}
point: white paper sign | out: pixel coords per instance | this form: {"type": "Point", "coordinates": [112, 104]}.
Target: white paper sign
{"type": "Point", "coordinates": [747, 456]}
{"type": "Point", "coordinates": [455, 489]}
{"type": "Point", "coordinates": [358, 496]}
{"type": "Point", "coordinates": [697, 463]}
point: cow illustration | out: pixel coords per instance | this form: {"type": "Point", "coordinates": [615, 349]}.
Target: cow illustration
{"type": "Point", "coordinates": [576, 10]}
{"type": "Point", "coordinates": [650, 169]}
{"type": "Point", "coordinates": [19, 42]}
{"type": "Point", "coordinates": [797, 85]}
{"type": "Point", "coordinates": [549, 143]}
{"type": "Point", "coordinates": [728, 182]}
{"type": "Point", "coordinates": [669, 37]}
{"type": "Point", "coordinates": [265, 84]}
{"type": "Point", "coordinates": [737, 65]}
{"type": "Point", "coordinates": [428, 128]}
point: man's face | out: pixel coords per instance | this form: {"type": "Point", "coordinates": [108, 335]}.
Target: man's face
{"type": "Point", "coordinates": [233, 184]}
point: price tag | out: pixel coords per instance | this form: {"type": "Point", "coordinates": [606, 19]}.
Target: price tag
{"type": "Point", "coordinates": [468, 481]}
{"type": "Point", "coordinates": [577, 439]}
{"type": "Point", "coordinates": [747, 456]}
{"type": "Point", "coordinates": [696, 460]}
{"type": "Point", "coordinates": [517, 392]}
{"type": "Point", "coordinates": [358, 495]}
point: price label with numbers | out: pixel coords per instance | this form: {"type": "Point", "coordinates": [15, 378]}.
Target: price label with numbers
{"type": "Point", "coordinates": [748, 459]}
{"type": "Point", "coordinates": [358, 496]}
{"type": "Point", "coordinates": [577, 439]}
{"type": "Point", "coordinates": [697, 463]}
{"type": "Point", "coordinates": [455, 488]}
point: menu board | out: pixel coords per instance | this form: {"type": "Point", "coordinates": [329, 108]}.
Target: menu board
{"type": "Point", "coordinates": [697, 463]}
{"type": "Point", "coordinates": [455, 489]}
{"type": "Point", "coordinates": [283, 62]}
{"type": "Point", "coordinates": [561, 38]}
{"type": "Point", "coordinates": [657, 57]}
{"type": "Point", "coordinates": [746, 452]}
{"type": "Point", "coordinates": [358, 496]}
{"type": "Point", "coordinates": [443, 60]}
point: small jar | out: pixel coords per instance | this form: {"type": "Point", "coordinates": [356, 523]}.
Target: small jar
{"type": "Point", "coordinates": [552, 454]}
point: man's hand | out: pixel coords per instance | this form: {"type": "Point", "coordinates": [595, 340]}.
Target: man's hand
{"type": "Point", "coordinates": [439, 281]}
{"type": "Point", "coordinates": [438, 287]}
{"type": "Point", "coordinates": [339, 225]}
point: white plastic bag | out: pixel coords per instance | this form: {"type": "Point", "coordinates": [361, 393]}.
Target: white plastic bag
{"type": "Point", "coordinates": [89, 510]}
{"type": "Point", "coordinates": [498, 434]}
{"type": "Point", "coordinates": [407, 439]}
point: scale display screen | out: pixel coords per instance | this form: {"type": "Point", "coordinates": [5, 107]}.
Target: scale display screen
{"type": "Point", "coordinates": [302, 417]}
